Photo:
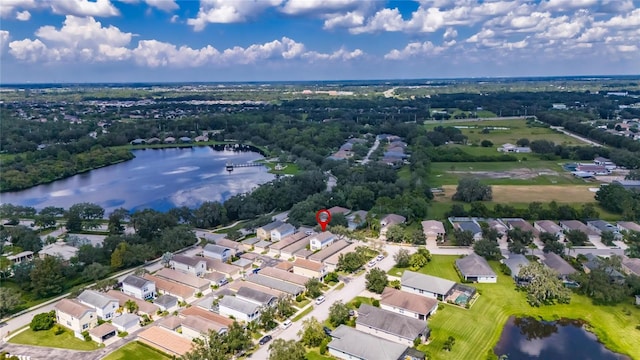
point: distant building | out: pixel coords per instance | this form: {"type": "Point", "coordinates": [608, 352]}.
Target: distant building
{"type": "Point", "coordinates": [510, 148]}
{"type": "Point", "coordinates": [559, 106]}
{"type": "Point", "coordinates": [628, 184]}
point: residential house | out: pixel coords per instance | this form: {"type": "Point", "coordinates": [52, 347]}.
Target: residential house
{"type": "Point", "coordinates": [631, 266]}
{"type": "Point", "coordinates": [20, 257]}
{"type": "Point", "coordinates": [216, 252]}
{"type": "Point", "coordinates": [638, 300]}
{"type": "Point", "coordinates": [216, 278]}
{"type": "Point", "coordinates": [325, 253]}
{"type": "Point", "coordinates": [144, 307]}
{"type": "Point", "coordinates": [164, 286]}
{"type": "Point", "coordinates": [192, 281]}
{"type": "Point", "coordinates": [593, 262]}
{"type": "Point", "coordinates": [230, 271]}
{"type": "Point", "coordinates": [275, 248]}
{"type": "Point", "coordinates": [627, 226]}
{"type": "Point", "coordinates": [244, 264]}
{"type": "Point", "coordinates": [356, 219]}
{"type": "Point", "coordinates": [166, 302]}
{"type": "Point", "coordinates": [189, 264]}
{"type": "Point", "coordinates": [230, 244]}
{"type": "Point", "coordinates": [515, 262]}
{"type": "Point", "coordinates": [205, 312]}
{"type": "Point", "coordinates": [467, 224]}
{"type": "Point", "coordinates": [264, 232]}
{"type": "Point", "coordinates": [289, 251]}
{"type": "Point", "coordinates": [281, 231]}
{"type": "Point", "coordinates": [194, 327]}
{"type": "Point", "coordinates": [233, 288]}
{"type": "Point", "coordinates": [628, 184]}
{"type": "Point", "coordinates": [521, 224]}
{"type": "Point", "coordinates": [338, 210]}
{"type": "Point", "coordinates": [275, 284]}
{"type": "Point", "coordinates": [348, 343]}
{"type": "Point", "coordinates": [500, 227]}
{"type": "Point", "coordinates": [166, 341]}
{"type": "Point", "coordinates": [332, 261]}
{"type": "Point", "coordinates": [390, 220]}
{"type": "Point", "coordinates": [103, 332]}
{"type": "Point", "coordinates": [261, 246]}
{"type": "Point", "coordinates": [433, 230]}
{"type": "Point", "coordinates": [510, 148]}
{"type": "Point", "coordinates": [310, 269]}
{"type": "Point", "coordinates": [321, 240]}
{"type": "Point", "coordinates": [257, 297]}
{"type": "Point", "coordinates": [599, 160]}
{"type": "Point", "coordinates": [58, 249]}
{"type": "Point", "coordinates": [104, 305]}
{"type": "Point", "coordinates": [408, 304]}
{"type": "Point", "coordinates": [390, 325]}
{"type": "Point", "coordinates": [594, 169]}
{"type": "Point", "coordinates": [126, 322]}
{"type": "Point", "coordinates": [247, 244]}
{"type": "Point", "coordinates": [601, 226]}
{"type": "Point", "coordinates": [75, 316]}
{"type": "Point", "coordinates": [560, 265]}
{"type": "Point", "coordinates": [550, 227]}
{"type": "Point", "coordinates": [139, 287]}
{"type": "Point", "coordinates": [303, 254]}
{"type": "Point", "coordinates": [285, 265]}
{"type": "Point", "coordinates": [474, 267]}
{"type": "Point", "coordinates": [185, 139]}
{"type": "Point", "coordinates": [284, 275]}
{"type": "Point", "coordinates": [241, 310]}
{"type": "Point", "coordinates": [568, 225]}
{"type": "Point", "coordinates": [426, 285]}
{"type": "Point", "coordinates": [169, 140]}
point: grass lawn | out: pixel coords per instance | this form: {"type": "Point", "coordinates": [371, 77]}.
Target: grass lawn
{"type": "Point", "coordinates": [303, 313]}
{"type": "Point", "coordinates": [135, 351]}
{"type": "Point", "coordinates": [478, 329]}
{"type": "Point", "coordinates": [315, 355]}
{"type": "Point", "coordinates": [508, 194]}
{"type": "Point", "coordinates": [48, 338]}
{"type": "Point", "coordinates": [289, 168]}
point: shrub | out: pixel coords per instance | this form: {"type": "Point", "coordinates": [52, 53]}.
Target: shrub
{"type": "Point", "coordinates": [300, 298]}
{"type": "Point", "coordinates": [58, 330]}
{"type": "Point", "coordinates": [122, 334]}
{"type": "Point", "coordinates": [86, 336]}
{"type": "Point", "coordinates": [357, 303]}
{"type": "Point", "coordinates": [323, 345]}
{"type": "Point", "coordinates": [375, 302]}
{"type": "Point", "coordinates": [43, 321]}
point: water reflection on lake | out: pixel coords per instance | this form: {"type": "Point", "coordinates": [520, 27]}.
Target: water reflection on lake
{"type": "Point", "coordinates": [158, 179]}
{"type": "Point", "coordinates": [528, 338]}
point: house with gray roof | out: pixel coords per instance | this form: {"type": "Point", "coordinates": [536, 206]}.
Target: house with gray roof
{"type": "Point", "coordinates": [166, 302]}
{"type": "Point", "coordinates": [241, 310]}
{"type": "Point", "coordinates": [550, 227]}
{"type": "Point", "coordinates": [390, 325]}
{"type": "Point", "coordinates": [264, 232]}
{"type": "Point", "coordinates": [276, 284]}
{"type": "Point", "coordinates": [216, 252]}
{"type": "Point", "coordinates": [602, 226]}
{"type": "Point", "coordinates": [104, 305]}
{"type": "Point", "coordinates": [474, 267]}
{"type": "Point", "coordinates": [348, 343]}
{"type": "Point", "coordinates": [281, 231]}
{"type": "Point", "coordinates": [139, 287]}
{"type": "Point", "coordinates": [568, 225]}
{"type": "Point", "coordinates": [126, 322]}
{"type": "Point", "coordinates": [469, 224]}
{"type": "Point", "coordinates": [426, 285]}
{"type": "Point", "coordinates": [257, 297]}
{"type": "Point", "coordinates": [594, 262]}
{"type": "Point", "coordinates": [195, 265]}
{"type": "Point", "coordinates": [560, 265]}
{"type": "Point", "coordinates": [390, 220]}
{"type": "Point", "coordinates": [515, 262]}
{"type": "Point", "coordinates": [631, 266]}
{"type": "Point", "coordinates": [327, 252]}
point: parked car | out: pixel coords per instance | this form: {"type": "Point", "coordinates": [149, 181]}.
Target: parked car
{"type": "Point", "coordinates": [326, 330]}
{"type": "Point", "coordinates": [379, 257]}
{"type": "Point", "coordinates": [320, 300]}
{"type": "Point", "coordinates": [352, 313]}
{"type": "Point", "coordinates": [265, 340]}
{"type": "Point", "coordinates": [285, 324]}
{"type": "Point", "coordinates": [372, 263]}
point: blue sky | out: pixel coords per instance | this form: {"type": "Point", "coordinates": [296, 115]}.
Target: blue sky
{"type": "Point", "coordinates": [265, 40]}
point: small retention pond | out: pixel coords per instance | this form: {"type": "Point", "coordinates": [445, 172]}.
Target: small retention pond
{"type": "Point", "coordinates": [528, 338]}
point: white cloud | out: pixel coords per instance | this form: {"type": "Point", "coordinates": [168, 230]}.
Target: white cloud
{"type": "Point", "coordinates": [383, 20]}
{"type": "Point", "coordinates": [80, 32]}
{"type": "Point", "coordinates": [98, 8]}
{"type": "Point", "coordinates": [450, 33]}
{"type": "Point", "coordinates": [28, 50]}
{"type": "Point", "coordinates": [164, 5]}
{"type": "Point", "coordinates": [4, 39]}
{"type": "Point", "coordinates": [296, 7]}
{"type": "Point", "coordinates": [350, 19]}
{"type": "Point", "coordinates": [229, 11]}
{"type": "Point", "coordinates": [414, 49]}
{"type": "Point", "coordinates": [342, 55]}
{"type": "Point", "coordinates": [174, 19]}
{"type": "Point", "coordinates": [628, 48]}
{"type": "Point", "coordinates": [630, 20]}
{"type": "Point", "coordinates": [9, 7]}
{"type": "Point", "coordinates": [23, 15]}
{"type": "Point", "coordinates": [566, 5]}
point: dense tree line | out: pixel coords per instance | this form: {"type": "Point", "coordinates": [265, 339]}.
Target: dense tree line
{"type": "Point", "coordinates": [534, 211]}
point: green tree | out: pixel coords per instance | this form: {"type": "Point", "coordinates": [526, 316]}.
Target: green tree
{"type": "Point", "coordinates": [25, 238]}
{"type": "Point", "coordinates": [490, 233]}
{"type": "Point", "coordinates": [402, 258]}
{"type": "Point", "coordinates": [95, 271]}
{"type": "Point", "coordinates": [544, 286]}
{"type": "Point", "coordinates": [350, 262]}
{"type": "Point", "coordinates": [43, 321]}
{"type": "Point", "coordinates": [554, 246]}
{"type": "Point", "coordinates": [47, 276]}
{"type": "Point", "coordinates": [487, 249]}
{"type": "Point", "coordinates": [8, 301]}
{"type": "Point", "coordinates": [462, 237]}
{"type": "Point", "coordinates": [338, 313]}
{"type": "Point", "coordinates": [238, 338]}
{"type": "Point", "coordinates": [281, 349]}
{"type": "Point", "coordinates": [517, 247]}
{"type": "Point", "coordinates": [117, 220]}
{"type": "Point", "coordinates": [471, 189]}
{"type": "Point", "coordinates": [576, 237]}
{"type": "Point", "coordinates": [486, 143]}
{"type": "Point", "coordinates": [415, 236]}
{"type": "Point", "coordinates": [131, 307]}
{"type": "Point", "coordinates": [311, 333]}
{"type": "Point", "coordinates": [547, 237]}
{"type": "Point", "coordinates": [395, 233]}
{"type": "Point", "coordinates": [607, 238]}
{"type": "Point", "coordinates": [284, 308]}
{"type": "Point", "coordinates": [376, 280]}
{"type": "Point", "coordinates": [313, 288]}
{"type": "Point", "coordinates": [212, 347]}
{"type": "Point", "coordinates": [417, 261]}
{"type": "Point", "coordinates": [518, 235]}
{"type": "Point", "coordinates": [268, 318]}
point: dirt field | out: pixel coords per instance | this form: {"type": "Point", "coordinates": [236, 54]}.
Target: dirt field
{"type": "Point", "coordinates": [531, 193]}
{"type": "Point", "coordinates": [521, 174]}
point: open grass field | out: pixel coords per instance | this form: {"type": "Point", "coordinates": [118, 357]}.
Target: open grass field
{"type": "Point", "coordinates": [529, 193]}
{"type": "Point", "coordinates": [514, 129]}
{"type": "Point", "coordinates": [477, 330]}
{"type": "Point", "coordinates": [48, 338]}
{"type": "Point", "coordinates": [135, 351]}
{"type": "Point", "coordinates": [289, 168]}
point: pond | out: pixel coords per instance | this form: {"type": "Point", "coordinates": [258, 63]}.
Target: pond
{"type": "Point", "coordinates": [156, 178]}
{"type": "Point", "coordinates": [528, 338]}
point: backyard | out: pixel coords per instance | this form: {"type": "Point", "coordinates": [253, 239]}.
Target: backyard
{"type": "Point", "coordinates": [614, 325]}
{"type": "Point", "coordinates": [134, 351]}
{"type": "Point", "coordinates": [48, 338]}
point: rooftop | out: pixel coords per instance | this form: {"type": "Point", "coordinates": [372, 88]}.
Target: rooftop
{"type": "Point", "coordinates": [135, 281]}
{"type": "Point", "coordinates": [474, 265]}
{"type": "Point", "coordinates": [322, 237]}
{"type": "Point", "coordinates": [60, 248]}
{"type": "Point", "coordinates": [102, 330]}
{"type": "Point", "coordinates": [391, 219]}
{"type": "Point", "coordinates": [219, 266]}
{"type": "Point", "coordinates": [256, 295]}
{"type": "Point", "coordinates": [364, 346]}
{"type": "Point", "coordinates": [143, 306]}
{"type": "Point", "coordinates": [426, 282]}
{"type": "Point", "coordinates": [557, 263]}
{"type": "Point", "coordinates": [166, 300]}
{"type": "Point", "coordinates": [243, 306]}
{"type": "Point", "coordinates": [333, 259]}
{"type": "Point", "coordinates": [125, 318]}
{"type": "Point", "coordinates": [275, 284]}
{"type": "Point", "coordinates": [271, 226]}
{"type": "Point", "coordinates": [629, 225]}
{"type": "Point", "coordinates": [183, 278]}
{"type": "Point", "coordinates": [72, 307]}
{"type": "Point", "coordinates": [228, 243]}
{"type": "Point", "coordinates": [187, 260]}
{"type": "Point", "coordinates": [633, 264]}
{"type": "Point", "coordinates": [263, 244]}
{"type": "Point", "coordinates": [200, 324]}
{"type": "Point", "coordinates": [277, 273]}
{"type": "Point", "coordinates": [391, 322]}
{"type": "Point", "coordinates": [171, 287]}
{"type": "Point", "coordinates": [329, 250]}
{"type": "Point", "coordinates": [166, 340]}
{"type": "Point", "coordinates": [515, 262]}
{"type": "Point", "coordinates": [548, 226]}
{"type": "Point", "coordinates": [433, 226]}
{"type": "Point", "coordinates": [209, 315]}
{"type": "Point", "coordinates": [288, 240]}
{"type": "Point", "coordinates": [308, 264]}
{"type": "Point", "coordinates": [408, 301]}
{"type": "Point", "coordinates": [96, 299]}
{"type": "Point", "coordinates": [215, 249]}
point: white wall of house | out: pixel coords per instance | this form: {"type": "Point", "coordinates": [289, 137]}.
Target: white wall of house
{"type": "Point", "coordinates": [238, 315]}
{"type": "Point", "coordinates": [487, 279]}
{"type": "Point", "coordinates": [222, 257]}
{"type": "Point", "coordinates": [406, 312]}
{"type": "Point", "coordinates": [419, 292]}
{"type": "Point", "coordinates": [341, 355]}
{"type": "Point", "coordinates": [77, 325]}
{"type": "Point", "coordinates": [198, 270]}
{"type": "Point", "coordinates": [314, 244]}
{"type": "Point", "coordinates": [308, 273]}
{"type": "Point", "coordinates": [147, 292]}
{"type": "Point", "coordinates": [384, 335]}
{"type": "Point", "coordinates": [108, 311]}
{"type": "Point", "coordinates": [276, 235]}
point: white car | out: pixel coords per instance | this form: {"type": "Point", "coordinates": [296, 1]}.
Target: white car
{"type": "Point", "coordinates": [379, 257]}
{"type": "Point", "coordinates": [372, 263]}
{"type": "Point", "coordinates": [319, 300]}
{"type": "Point", "coordinates": [285, 324]}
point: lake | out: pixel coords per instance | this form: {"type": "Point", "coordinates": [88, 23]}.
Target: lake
{"type": "Point", "coordinates": [528, 338]}
{"type": "Point", "coordinates": [157, 178]}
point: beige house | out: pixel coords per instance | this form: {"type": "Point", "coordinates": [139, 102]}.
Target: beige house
{"type": "Point", "coordinates": [310, 269]}
{"type": "Point", "coordinates": [102, 333]}
{"type": "Point", "coordinates": [433, 230]}
{"type": "Point", "coordinates": [274, 249]}
{"type": "Point", "coordinates": [75, 316]}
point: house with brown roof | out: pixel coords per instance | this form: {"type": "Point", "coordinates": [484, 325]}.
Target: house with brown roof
{"type": "Point", "coordinates": [164, 286]}
{"type": "Point", "coordinates": [433, 230]}
{"type": "Point", "coordinates": [144, 307]}
{"type": "Point", "coordinates": [166, 341]}
{"type": "Point", "coordinates": [521, 224]}
{"type": "Point", "coordinates": [338, 210]}
{"type": "Point", "coordinates": [624, 226]}
{"type": "Point", "coordinates": [236, 285]}
{"type": "Point", "coordinates": [194, 327]}
{"type": "Point", "coordinates": [187, 279]}
{"type": "Point", "coordinates": [207, 314]}
{"type": "Point", "coordinates": [408, 304]}
{"type": "Point", "coordinates": [310, 269]}
{"type": "Point", "coordinates": [274, 249]}
{"type": "Point", "coordinates": [216, 278]}
{"type": "Point", "coordinates": [631, 266]}
{"type": "Point", "coordinates": [568, 225]}
{"type": "Point", "coordinates": [230, 244]}
{"type": "Point", "coordinates": [550, 227]}
{"type": "Point", "coordinates": [560, 265]}
{"type": "Point", "coordinates": [285, 265]}
{"type": "Point", "coordinates": [325, 253]}
{"type": "Point", "coordinates": [290, 250]}
{"type": "Point", "coordinates": [284, 275]}
{"type": "Point", "coordinates": [75, 316]}
{"type": "Point", "coordinates": [103, 332]}
{"type": "Point", "coordinates": [230, 271]}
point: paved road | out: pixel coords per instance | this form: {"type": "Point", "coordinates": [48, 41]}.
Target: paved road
{"type": "Point", "coordinates": [575, 136]}
{"type": "Point", "coordinates": [321, 312]}
{"type": "Point", "coordinates": [373, 148]}
{"type": "Point", "coordinates": [477, 119]}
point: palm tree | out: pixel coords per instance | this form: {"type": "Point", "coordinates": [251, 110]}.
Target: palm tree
{"type": "Point", "coordinates": [131, 306]}
{"type": "Point", "coordinates": [166, 259]}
